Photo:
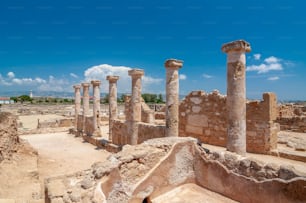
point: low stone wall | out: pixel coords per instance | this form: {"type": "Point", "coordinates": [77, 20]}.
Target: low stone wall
{"type": "Point", "coordinates": [119, 132]}
{"type": "Point", "coordinates": [147, 115]}
{"type": "Point", "coordinates": [204, 116]}
{"type": "Point", "coordinates": [89, 126]}
{"type": "Point", "coordinates": [149, 131]}
{"type": "Point", "coordinates": [295, 124]}
{"type": "Point", "coordinates": [291, 110]}
{"type": "Point", "coordinates": [145, 131]}
{"type": "Point", "coordinates": [58, 123]}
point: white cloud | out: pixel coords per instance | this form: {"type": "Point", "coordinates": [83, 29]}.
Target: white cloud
{"type": "Point", "coordinates": [100, 72]}
{"type": "Point", "coordinates": [264, 68]}
{"type": "Point", "coordinates": [73, 75]}
{"type": "Point", "coordinates": [207, 76]}
{"type": "Point", "coordinates": [272, 59]}
{"type": "Point", "coordinates": [28, 81]}
{"type": "Point", "coordinates": [3, 81]}
{"type": "Point", "coordinates": [257, 56]}
{"type": "Point", "coordinates": [55, 84]}
{"type": "Point", "coordinates": [273, 78]}
{"type": "Point", "coordinates": [10, 75]}
{"type": "Point", "coordinates": [270, 64]}
{"type": "Point", "coordinates": [182, 77]}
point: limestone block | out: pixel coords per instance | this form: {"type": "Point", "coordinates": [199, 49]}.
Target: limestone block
{"type": "Point", "coordinates": [194, 129]}
{"type": "Point", "coordinates": [198, 120]}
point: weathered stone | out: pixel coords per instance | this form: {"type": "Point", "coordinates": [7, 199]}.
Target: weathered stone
{"type": "Point", "coordinates": [286, 172]}
{"type": "Point", "coordinates": [87, 183]}
{"type": "Point", "coordinates": [198, 120]}
{"type": "Point", "coordinates": [96, 106]}
{"type": "Point", "coordinates": [112, 101]}
{"type": "Point", "coordinates": [236, 95]}
{"type": "Point", "coordinates": [172, 96]}
{"type": "Point", "coordinates": [136, 75]}
{"type": "Point", "coordinates": [77, 100]}
{"type": "Point", "coordinates": [56, 189]}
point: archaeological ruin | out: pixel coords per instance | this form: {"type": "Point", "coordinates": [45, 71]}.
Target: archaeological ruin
{"type": "Point", "coordinates": [208, 147]}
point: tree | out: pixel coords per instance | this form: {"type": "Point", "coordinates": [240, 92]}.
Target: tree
{"type": "Point", "coordinates": [160, 99]}
{"type": "Point", "coordinates": [24, 98]}
{"type": "Point", "coordinates": [106, 99]}
{"type": "Point", "coordinates": [15, 99]}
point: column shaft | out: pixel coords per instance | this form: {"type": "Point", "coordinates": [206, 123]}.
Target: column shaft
{"type": "Point", "coordinates": [236, 95]}
{"type": "Point", "coordinates": [136, 75]}
{"type": "Point", "coordinates": [112, 100]}
{"type": "Point", "coordinates": [85, 103]}
{"type": "Point", "coordinates": [77, 102]}
{"type": "Point", "coordinates": [96, 105]}
{"type": "Point", "coordinates": [172, 97]}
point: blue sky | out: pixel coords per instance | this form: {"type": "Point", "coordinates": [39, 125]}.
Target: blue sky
{"type": "Point", "coordinates": [51, 45]}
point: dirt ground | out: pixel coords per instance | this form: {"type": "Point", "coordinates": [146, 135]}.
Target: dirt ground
{"type": "Point", "coordinates": [30, 122]}
{"type": "Point", "coordinates": [61, 153]}
{"type": "Point", "coordinates": [58, 154]}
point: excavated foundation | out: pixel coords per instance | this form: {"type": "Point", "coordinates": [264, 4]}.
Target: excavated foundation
{"type": "Point", "coordinates": [169, 169]}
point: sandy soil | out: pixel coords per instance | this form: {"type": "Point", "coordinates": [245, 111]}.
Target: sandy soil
{"type": "Point", "coordinates": [61, 153]}
{"type": "Point", "coordinates": [30, 122]}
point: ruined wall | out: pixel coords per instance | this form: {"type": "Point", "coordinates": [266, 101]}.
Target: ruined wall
{"type": "Point", "coordinates": [261, 127]}
{"type": "Point", "coordinates": [9, 140]}
{"type": "Point", "coordinates": [204, 116]}
{"type": "Point", "coordinates": [119, 132]}
{"type": "Point", "coordinates": [295, 124]}
{"type": "Point", "coordinates": [147, 114]}
{"type": "Point", "coordinates": [145, 131]}
{"type": "Point", "coordinates": [148, 131]}
{"type": "Point", "coordinates": [291, 110]}
{"type": "Point", "coordinates": [89, 126]}
{"type": "Point", "coordinates": [66, 122]}
{"type": "Point", "coordinates": [292, 117]}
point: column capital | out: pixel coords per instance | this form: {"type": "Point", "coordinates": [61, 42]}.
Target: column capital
{"type": "Point", "coordinates": [77, 86]}
{"type": "Point", "coordinates": [236, 46]}
{"type": "Point", "coordinates": [173, 63]}
{"type": "Point", "coordinates": [85, 84]}
{"type": "Point", "coordinates": [136, 73]}
{"type": "Point", "coordinates": [112, 78]}
{"type": "Point", "coordinates": [95, 82]}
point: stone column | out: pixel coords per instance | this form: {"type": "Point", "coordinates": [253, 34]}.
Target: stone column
{"type": "Point", "coordinates": [236, 95]}
{"type": "Point", "coordinates": [77, 103]}
{"type": "Point", "coordinates": [172, 96]}
{"type": "Point", "coordinates": [112, 100]}
{"type": "Point", "coordinates": [96, 106]}
{"type": "Point", "coordinates": [136, 75]}
{"type": "Point", "coordinates": [85, 102]}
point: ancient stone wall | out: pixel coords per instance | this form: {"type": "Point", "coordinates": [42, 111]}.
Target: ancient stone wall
{"type": "Point", "coordinates": [147, 115]}
{"type": "Point", "coordinates": [119, 132]}
{"type": "Point", "coordinates": [89, 126]}
{"type": "Point", "coordinates": [204, 116]}
{"type": "Point", "coordinates": [292, 117]}
{"type": "Point", "coordinates": [149, 131]}
{"type": "Point", "coordinates": [261, 127]}
{"type": "Point", "coordinates": [295, 124]}
{"type": "Point", "coordinates": [66, 122]}
{"type": "Point", "coordinates": [291, 110]}
{"type": "Point", "coordinates": [145, 131]}
{"type": "Point", "coordinates": [9, 140]}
